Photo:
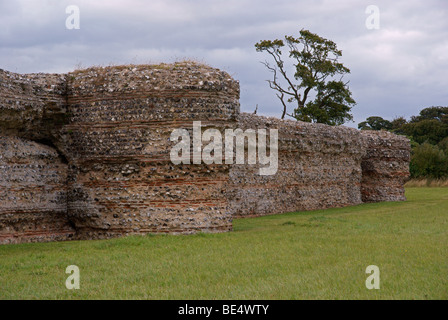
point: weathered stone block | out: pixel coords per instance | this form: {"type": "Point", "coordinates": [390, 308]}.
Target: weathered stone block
{"type": "Point", "coordinates": [121, 179]}
{"type": "Point", "coordinates": [319, 167]}
{"type": "Point", "coordinates": [105, 169]}
{"type": "Point", "coordinates": [33, 203]}
{"type": "Point", "coordinates": [385, 166]}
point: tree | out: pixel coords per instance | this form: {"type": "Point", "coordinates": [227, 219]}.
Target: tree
{"type": "Point", "coordinates": [431, 125]}
{"type": "Point", "coordinates": [443, 145]}
{"type": "Point", "coordinates": [428, 161]}
{"type": "Point", "coordinates": [316, 65]}
{"type": "Point", "coordinates": [431, 131]}
{"type": "Point", "coordinates": [375, 123]}
{"type": "Point", "coordinates": [432, 113]}
{"type": "Point", "coordinates": [397, 124]}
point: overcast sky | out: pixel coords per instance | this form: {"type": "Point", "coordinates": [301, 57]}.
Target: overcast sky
{"type": "Point", "coordinates": [396, 70]}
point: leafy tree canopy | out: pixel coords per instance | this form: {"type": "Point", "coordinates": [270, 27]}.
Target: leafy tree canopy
{"type": "Point", "coordinates": [375, 123]}
{"type": "Point", "coordinates": [316, 66]}
{"type": "Point", "coordinates": [429, 139]}
{"type": "Point", "coordinates": [431, 131]}
{"type": "Point", "coordinates": [431, 125]}
{"type": "Point", "coordinates": [428, 161]}
{"type": "Point", "coordinates": [432, 113]}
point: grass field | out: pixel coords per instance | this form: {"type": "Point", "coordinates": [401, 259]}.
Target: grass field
{"type": "Point", "coordinates": [305, 255]}
{"type": "Point", "coordinates": [415, 183]}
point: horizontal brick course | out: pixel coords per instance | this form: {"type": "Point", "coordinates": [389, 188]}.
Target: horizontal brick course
{"type": "Point", "coordinates": [86, 156]}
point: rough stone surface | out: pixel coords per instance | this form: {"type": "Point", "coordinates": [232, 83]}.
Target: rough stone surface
{"type": "Point", "coordinates": [319, 167]}
{"type": "Point", "coordinates": [121, 178]}
{"type": "Point", "coordinates": [86, 155]}
{"type": "Point", "coordinates": [32, 106]}
{"type": "Point", "coordinates": [385, 166]}
{"type": "Point", "coordinates": [33, 203]}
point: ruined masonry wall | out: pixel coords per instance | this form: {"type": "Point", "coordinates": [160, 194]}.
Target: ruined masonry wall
{"type": "Point", "coordinates": [33, 206]}
{"type": "Point", "coordinates": [32, 106]}
{"type": "Point", "coordinates": [385, 166]}
{"type": "Point", "coordinates": [122, 180]}
{"type": "Point", "coordinates": [33, 203]}
{"type": "Point", "coordinates": [86, 155]}
{"type": "Point", "coordinates": [319, 167]}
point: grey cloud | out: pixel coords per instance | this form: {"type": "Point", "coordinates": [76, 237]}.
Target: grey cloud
{"type": "Point", "coordinates": [396, 70]}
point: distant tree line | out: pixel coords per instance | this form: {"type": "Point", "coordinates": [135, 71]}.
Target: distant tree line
{"type": "Point", "coordinates": [428, 133]}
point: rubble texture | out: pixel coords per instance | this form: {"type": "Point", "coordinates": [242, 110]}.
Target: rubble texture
{"type": "Point", "coordinates": [121, 178]}
{"type": "Point", "coordinates": [32, 106]}
{"type": "Point", "coordinates": [86, 155]}
{"type": "Point", "coordinates": [319, 166]}
{"type": "Point", "coordinates": [385, 166]}
{"type": "Point", "coordinates": [33, 202]}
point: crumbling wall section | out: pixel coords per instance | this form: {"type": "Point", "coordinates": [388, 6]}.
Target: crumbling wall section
{"type": "Point", "coordinates": [32, 106]}
{"type": "Point", "coordinates": [319, 167]}
{"type": "Point", "coordinates": [86, 155]}
{"type": "Point", "coordinates": [385, 166]}
{"type": "Point", "coordinates": [33, 206]}
{"type": "Point", "coordinates": [121, 178]}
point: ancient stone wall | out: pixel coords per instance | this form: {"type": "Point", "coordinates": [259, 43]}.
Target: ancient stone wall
{"type": "Point", "coordinates": [33, 176]}
{"type": "Point", "coordinates": [33, 203]}
{"type": "Point", "coordinates": [121, 178]}
{"type": "Point", "coordinates": [319, 167]}
{"type": "Point", "coordinates": [32, 106]}
{"type": "Point", "coordinates": [86, 155]}
{"type": "Point", "coordinates": [385, 166]}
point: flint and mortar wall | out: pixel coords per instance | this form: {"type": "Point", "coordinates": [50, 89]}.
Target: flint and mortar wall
{"type": "Point", "coordinates": [121, 178]}
{"type": "Point", "coordinates": [319, 166]}
{"type": "Point", "coordinates": [32, 106]}
{"type": "Point", "coordinates": [385, 166]}
{"type": "Point", "coordinates": [105, 170]}
{"type": "Point", "coordinates": [33, 176]}
{"type": "Point", "coordinates": [33, 204]}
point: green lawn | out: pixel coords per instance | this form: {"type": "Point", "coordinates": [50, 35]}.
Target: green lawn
{"type": "Point", "coordinates": [306, 255]}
